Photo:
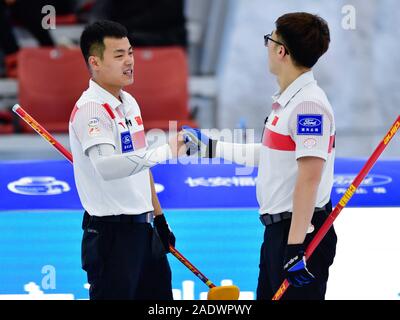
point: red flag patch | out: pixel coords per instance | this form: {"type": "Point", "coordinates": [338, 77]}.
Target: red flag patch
{"type": "Point", "coordinates": [275, 121]}
{"type": "Point", "coordinates": [139, 120]}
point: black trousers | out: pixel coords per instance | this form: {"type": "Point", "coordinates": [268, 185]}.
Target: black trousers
{"type": "Point", "coordinates": [272, 255]}
{"type": "Point", "coordinates": [122, 263]}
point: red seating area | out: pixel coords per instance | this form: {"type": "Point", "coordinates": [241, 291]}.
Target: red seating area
{"type": "Point", "coordinates": [161, 86]}
{"type": "Point", "coordinates": [51, 80]}
{"type": "Point", "coordinates": [67, 19]}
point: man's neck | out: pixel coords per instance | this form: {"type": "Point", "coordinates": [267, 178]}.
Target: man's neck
{"type": "Point", "coordinates": [114, 90]}
{"type": "Point", "coordinates": [287, 77]}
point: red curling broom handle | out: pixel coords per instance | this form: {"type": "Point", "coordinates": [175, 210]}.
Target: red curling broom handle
{"type": "Point", "coordinates": [41, 131]}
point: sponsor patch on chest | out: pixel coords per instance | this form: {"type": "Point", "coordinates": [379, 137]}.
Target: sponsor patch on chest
{"type": "Point", "coordinates": [126, 142]}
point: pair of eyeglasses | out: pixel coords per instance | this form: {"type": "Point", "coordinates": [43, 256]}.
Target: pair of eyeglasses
{"type": "Point", "coordinates": [268, 37]}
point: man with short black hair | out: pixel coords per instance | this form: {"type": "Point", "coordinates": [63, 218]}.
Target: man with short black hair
{"type": "Point", "coordinates": [124, 257]}
{"type": "Point", "coordinates": [295, 161]}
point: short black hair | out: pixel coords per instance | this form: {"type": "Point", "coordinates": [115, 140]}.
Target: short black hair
{"type": "Point", "coordinates": [92, 38]}
{"type": "Point", "coordinates": [305, 35]}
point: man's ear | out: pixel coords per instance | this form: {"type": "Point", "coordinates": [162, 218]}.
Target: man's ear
{"type": "Point", "coordinates": [281, 51]}
{"type": "Point", "coordinates": [94, 62]}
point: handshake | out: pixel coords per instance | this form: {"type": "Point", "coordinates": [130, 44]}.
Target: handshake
{"type": "Point", "coordinates": [190, 141]}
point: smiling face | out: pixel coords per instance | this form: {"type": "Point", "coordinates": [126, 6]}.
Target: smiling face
{"type": "Point", "coordinates": [113, 63]}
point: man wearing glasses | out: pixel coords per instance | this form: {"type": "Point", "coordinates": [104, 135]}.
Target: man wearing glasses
{"type": "Point", "coordinates": [295, 161]}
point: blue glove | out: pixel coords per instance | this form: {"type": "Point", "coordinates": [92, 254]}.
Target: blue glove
{"type": "Point", "coordinates": [295, 267]}
{"type": "Point", "coordinates": [198, 142]}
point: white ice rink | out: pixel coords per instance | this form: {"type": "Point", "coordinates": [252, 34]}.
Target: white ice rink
{"type": "Point", "coordinates": [367, 263]}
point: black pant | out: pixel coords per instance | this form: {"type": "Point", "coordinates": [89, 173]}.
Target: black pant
{"type": "Point", "coordinates": [272, 255]}
{"type": "Point", "coordinates": [121, 264]}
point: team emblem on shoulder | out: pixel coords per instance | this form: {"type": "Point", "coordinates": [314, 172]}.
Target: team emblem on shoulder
{"type": "Point", "coordinates": [93, 125]}
{"type": "Point", "coordinates": [93, 122]}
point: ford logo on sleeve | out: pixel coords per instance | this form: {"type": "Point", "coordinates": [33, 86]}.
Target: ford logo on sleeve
{"type": "Point", "coordinates": [38, 186]}
{"type": "Point", "coordinates": [309, 124]}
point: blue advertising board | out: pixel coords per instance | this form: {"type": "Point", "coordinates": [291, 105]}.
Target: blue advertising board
{"type": "Point", "coordinates": [35, 185]}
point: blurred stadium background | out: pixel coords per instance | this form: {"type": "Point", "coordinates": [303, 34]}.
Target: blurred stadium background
{"type": "Point", "coordinates": [213, 74]}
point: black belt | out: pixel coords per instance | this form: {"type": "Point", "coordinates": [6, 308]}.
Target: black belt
{"type": "Point", "coordinates": [146, 217]}
{"type": "Point", "coordinates": [268, 219]}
